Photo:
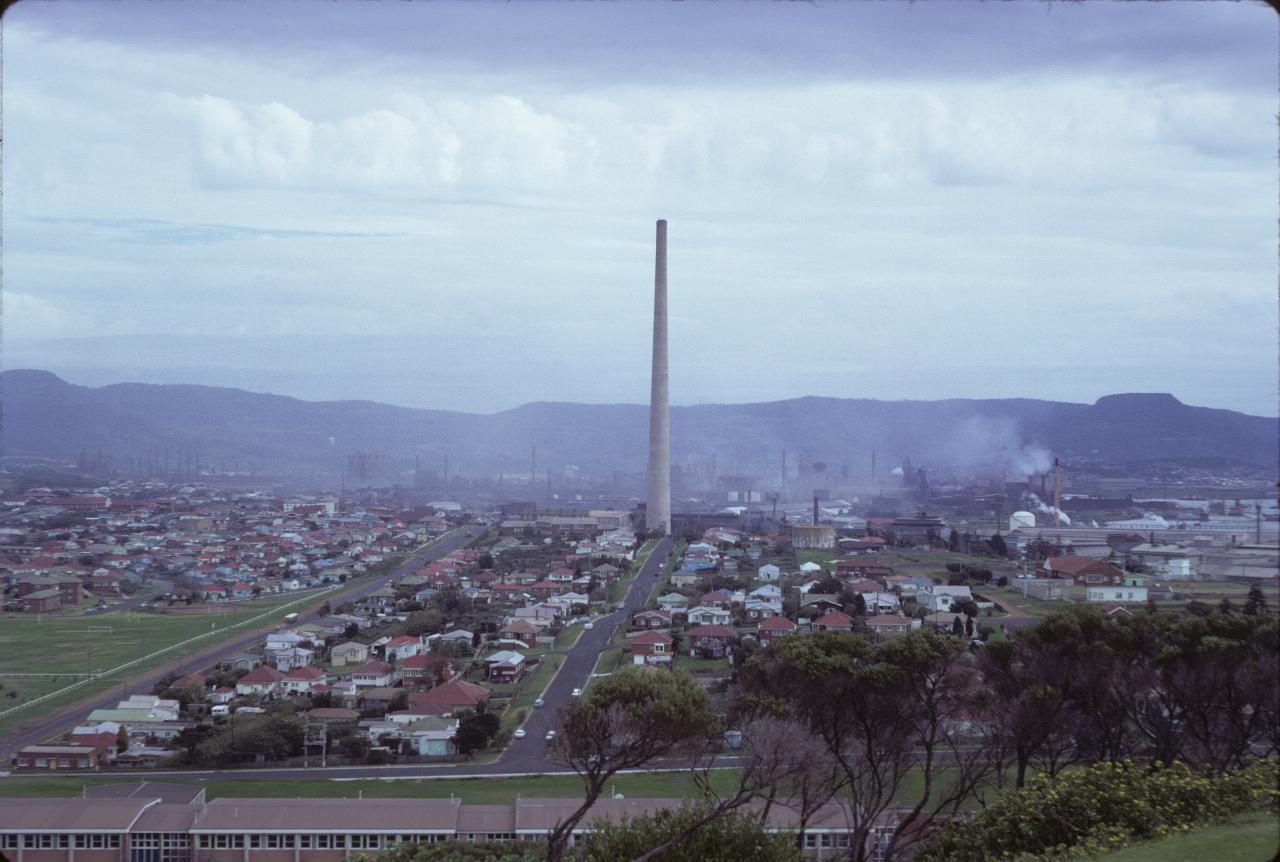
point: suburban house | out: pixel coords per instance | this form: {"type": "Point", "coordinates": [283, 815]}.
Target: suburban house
{"type": "Point", "coordinates": [833, 621]}
{"type": "Point", "coordinates": [766, 593]}
{"type": "Point", "coordinates": [424, 668]}
{"type": "Point", "coordinates": [401, 648]}
{"type": "Point", "coordinates": [760, 610]}
{"type": "Point", "coordinates": [652, 620]}
{"type": "Point", "coordinates": [769, 573]}
{"type": "Point", "coordinates": [349, 653]}
{"type": "Point", "coordinates": [1083, 571]}
{"type": "Point", "coordinates": [774, 627]}
{"type": "Point", "coordinates": [42, 601]}
{"type": "Point", "coordinates": [431, 736]}
{"type": "Point", "coordinates": [703, 616]}
{"type": "Point", "coordinates": [453, 696]}
{"type": "Point", "coordinates": [938, 598]}
{"type": "Point", "coordinates": [673, 602]}
{"type": "Point", "coordinates": [303, 680]}
{"type": "Point", "coordinates": [372, 673]}
{"type": "Point", "coordinates": [887, 625]}
{"type": "Point", "coordinates": [715, 639]}
{"type": "Point", "coordinates": [521, 630]}
{"type": "Point", "coordinates": [262, 680]}
{"type": "Point", "coordinates": [1116, 594]}
{"type": "Point", "coordinates": [504, 666]}
{"type": "Point", "coordinates": [651, 648]}
{"type": "Point", "coordinates": [717, 599]}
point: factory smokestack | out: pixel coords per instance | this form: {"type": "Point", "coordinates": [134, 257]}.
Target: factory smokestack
{"type": "Point", "coordinates": [658, 511]}
{"type": "Point", "coordinates": [1057, 493]}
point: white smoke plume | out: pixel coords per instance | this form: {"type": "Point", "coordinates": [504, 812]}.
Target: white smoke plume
{"type": "Point", "coordinates": [1041, 506]}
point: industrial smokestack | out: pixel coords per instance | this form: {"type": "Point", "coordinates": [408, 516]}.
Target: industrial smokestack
{"type": "Point", "coordinates": [1057, 493]}
{"type": "Point", "coordinates": [658, 511]}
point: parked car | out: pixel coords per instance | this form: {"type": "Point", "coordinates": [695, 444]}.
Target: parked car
{"type": "Point", "coordinates": [538, 703]}
{"type": "Point", "coordinates": [589, 626]}
{"type": "Point", "coordinates": [551, 734]}
{"type": "Point", "coordinates": [519, 734]}
{"type": "Point", "coordinates": [577, 692]}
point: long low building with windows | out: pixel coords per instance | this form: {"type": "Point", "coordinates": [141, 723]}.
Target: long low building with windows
{"type": "Point", "coordinates": [152, 822]}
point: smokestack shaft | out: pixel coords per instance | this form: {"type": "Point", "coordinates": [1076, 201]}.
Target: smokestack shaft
{"type": "Point", "coordinates": [1057, 493]}
{"type": "Point", "coordinates": [658, 510]}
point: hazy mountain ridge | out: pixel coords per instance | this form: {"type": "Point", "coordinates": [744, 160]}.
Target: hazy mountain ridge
{"type": "Point", "coordinates": [45, 415]}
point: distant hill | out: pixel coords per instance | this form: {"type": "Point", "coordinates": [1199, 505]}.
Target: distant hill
{"type": "Point", "coordinates": [45, 415]}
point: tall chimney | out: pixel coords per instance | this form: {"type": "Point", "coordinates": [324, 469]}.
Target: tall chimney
{"type": "Point", "coordinates": [1057, 494]}
{"type": "Point", "coordinates": [658, 511]}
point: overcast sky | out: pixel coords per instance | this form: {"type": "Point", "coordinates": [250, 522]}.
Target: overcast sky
{"type": "Point", "coordinates": [451, 204]}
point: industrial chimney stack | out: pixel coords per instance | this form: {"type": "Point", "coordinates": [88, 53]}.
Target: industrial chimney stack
{"type": "Point", "coordinates": [658, 511]}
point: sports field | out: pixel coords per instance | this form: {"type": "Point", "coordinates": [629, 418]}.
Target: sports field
{"type": "Point", "coordinates": [67, 650]}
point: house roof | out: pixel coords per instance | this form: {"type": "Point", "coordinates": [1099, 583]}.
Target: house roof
{"type": "Point", "coordinates": [263, 673]}
{"type": "Point", "coordinates": [372, 668]}
{"type": "Point", "coordinates": [306, 673]}
{"type": "Point", "coordinates": [652, 638]}
{"type": "Point", "coordinates": [778, 624]}
{"type": "Point", "coordinates": [458, 692]}
{"type": "Point", "coordinates": [888, 620]}
{"type": "Point", "coordinates": [712, 632]}
{"type": "Point", "coordinates": [835, 618]}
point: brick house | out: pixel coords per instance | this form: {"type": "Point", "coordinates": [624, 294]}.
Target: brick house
{"type": "Point", "coordinates": [716, 639]}
{"type": "Point", "coordinates": [774, 627]}
{"type": "Point", "coordinates": [520, 630]}
{"type": "Point", "coordinates": [834, 621]}
{"type": "Point", "coordinates": [652, 648]}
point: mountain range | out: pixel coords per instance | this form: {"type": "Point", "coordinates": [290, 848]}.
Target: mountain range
{"type": "Point", "coordinates": [44, 415]}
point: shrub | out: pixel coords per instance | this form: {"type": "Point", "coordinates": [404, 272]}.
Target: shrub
{"type": "Point", "coordinates": [1093, 810]}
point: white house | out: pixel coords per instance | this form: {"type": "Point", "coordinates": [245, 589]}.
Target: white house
{"type": "Point", "coordinates": [705, 616]}
{"type": "Point", "coordinates": [769, 573]}
{"type": "Point", "coordinates": [1116, 594]}
{"type": "Point", "coordinates": [940, 598]}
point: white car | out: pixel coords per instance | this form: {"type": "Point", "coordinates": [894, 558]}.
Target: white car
{"type": "Point", "coordinates": [577, 692]}
{"type": "Point", "coordinates": [551, 734]}
{"type": "Point", "coordinates": [519, 734]}
{"type": "Point", "coordinates": [589, 626]}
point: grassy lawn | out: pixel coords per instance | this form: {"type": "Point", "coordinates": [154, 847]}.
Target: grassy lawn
{"type": "Point", "coordinates": [531, 689]}
{"type": "Point", "coordinates": [475, 791]}
{"type": "Point", "coordinates": [1248, 838]}
{"type": "Point", "coordinates": [701, 665]}
{"type": "Point", "coordinates": [568, 638]}
{"type": "Point", "coordinates": [1011, 595]}
{"type": "Point", "coordinates": [819, 556]}
{"type": "Point", "coordinates": [81, 645]}
{"type": "Point", "coordinates": [661, 584]}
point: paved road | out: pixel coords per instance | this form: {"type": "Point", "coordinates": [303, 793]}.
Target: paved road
{"type": "Point", "coordinates": [68, 718]}
{"type": "Point", "coordinates": [529, 754]}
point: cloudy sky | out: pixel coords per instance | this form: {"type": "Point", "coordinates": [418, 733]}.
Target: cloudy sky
{"type": "Point", "coordinates": [451, 205]}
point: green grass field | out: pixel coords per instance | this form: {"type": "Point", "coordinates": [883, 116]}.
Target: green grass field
{"type": "Point", "coordinates": [88, 645]}
{"type": "Point", "coordinates": [475, 791]}
{"type": "Point", "coordinates": [1248, 838]}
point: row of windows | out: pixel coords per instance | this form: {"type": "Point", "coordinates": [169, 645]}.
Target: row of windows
{"type": "Point", "coordinates": [12, 841]}
{"type": "Point", "coordinates": [358, 841]}
{"type": "Point", "coordinates": [159, 839]}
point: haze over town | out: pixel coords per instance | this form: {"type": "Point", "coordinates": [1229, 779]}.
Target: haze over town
{"type": "Point", "coordinates": [449, 205]}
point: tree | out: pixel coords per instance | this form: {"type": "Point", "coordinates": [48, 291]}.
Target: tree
{"type": "Point", "coordinates": [881, 716]}
{"type": "Point", "coordinates": [1255, 603]}
{"type": "Point", "coordinates": [732, 837]}
{"type": "Point", "coordinates": [998, 545]}
{"type": "Point", "coordinates": [624, 722]}
{"type": "Point", "coordinates": [859, 605]}
{"type": "Point", "coordinates": [475, 730]}
{"type": "Point", "coordinates": [122, 740]}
